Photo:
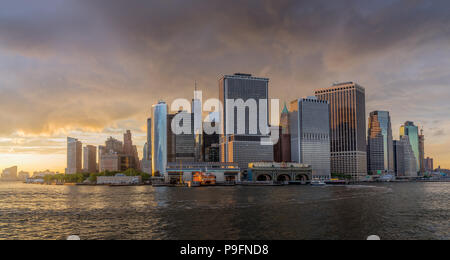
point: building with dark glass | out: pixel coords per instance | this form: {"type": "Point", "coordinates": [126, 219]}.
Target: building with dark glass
{"type": "Point", "coordinates": [380, 147]}
{"type": "Point", "coordinates": [309, 120]}
{"type": "Point", "coordinates": [347, 128]}
{"type": "Point", "coordinates": [244, 147]}
{"type": "Point", "coordinates": [412, 131]}
{"type": "Point", "coordinates": [405, 164]}
{"type": "Point", "coordinates": [159, 138]}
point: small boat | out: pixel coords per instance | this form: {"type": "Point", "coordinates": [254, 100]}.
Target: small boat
{"type": "Point", "coordinates": [318, 183]}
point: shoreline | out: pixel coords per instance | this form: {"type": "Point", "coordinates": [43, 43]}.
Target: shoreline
{"type": "Point", "coordinates": [256, 184]}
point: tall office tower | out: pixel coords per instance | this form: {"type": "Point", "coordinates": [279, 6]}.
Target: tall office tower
{"type": "Point", "coordinates": [185, 141]}
{"type": "Point", "coordinates": [241, 142]}
{"type": "Point", "coordinates": [127, 143]}
{"type": "Point", "coordinates": [197, 113]}
{"type": "Point", "coordinates": [90, 159]}
{"type": "Point", "coordinates": [429, 164]}
{"type": "Point", "coordinates": [149, 139]}
{"type": "Point", "coordinates": [399, 158]}
{"type": "Point", "coordinates": [171, 140]}
{"type": "Point", "coordinates": [130, 150]}
{"type": "Point", "coordinates": [146, 163]}
{"type": "Point", "coordinates": [310, 135]}
{"type": "Point", "coordinates": [136, 161]}
{"type": "Point", "coordinates": [409, 159]}
{"type": "Point", "coordinates": [404, 159]}
{"type": "Point", "coordinates": [159, 138]}
{"type": "Point", "coordinates": [282, 152]}
{"type": "Point", "coordinates": [380, 147]}
{"type": "Point", "coordinates": [422, 152]}
{"type": "Point", "coordinates": [210, 143]}
{"type": "Point", "coordinates": [74, 153]}
{"type": "Point", "coordinates": [348, 128]}
{"type": "Point", "coordinates": [412, 131]}
{"type": "Point", "coordinates": [101, 152]}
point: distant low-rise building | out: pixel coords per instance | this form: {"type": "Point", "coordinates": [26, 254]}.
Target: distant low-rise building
{"type": "Point", "coordinates": [10, 174]}
{"type": "Point", "coordinates": [119, 180]}
{"type": "Point", "coordinates": [42, 174]}
{"type": "Point", "coordinates": [279, 172]}
{"type": "Point", "coordinates": [23, 176]}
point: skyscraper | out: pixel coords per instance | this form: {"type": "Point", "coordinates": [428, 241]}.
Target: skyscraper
{"type": "Point", "coordinates": [197, 120]}
{"type": "Point", "coordinates": [348, 128]}
{"type": "Point", "coordinates": [147, 158]}
{"type": "Point", "coordinates": [309, 120]}
{"type": "Point", "coordinates": [159, 138]}
{"type": "Point", "coordinates": [380, 148]}
{"type": "Point", "coordinates": [422, 152]}
{"type": "Point", "coordinates": [210, 142]}
{"type": "Point", "coordinates": [399, 158]}
{"type": "Point", "coordinates": [412, 131]}
{"type": "Point", "coordinates": [405, 160]}
{"type": "Point", "coordinates": [242, 96]}
{"type": "Point", "coordinates": [429, 164]}
{"type": "Point", "coordinates": [149, 140]}
{"type": "Point", "coordinates": [282, 152]}
{"type": "Point", "coordinates": [101, 152]}
{"type": "Point", "coordinates": [184, 143]}
{"type": "Point", "coordinates": [90, 159]}
{"type": "Point", "coordinates": [74, 154]}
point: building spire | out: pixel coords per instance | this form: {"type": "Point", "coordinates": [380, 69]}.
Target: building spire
{"type": "Point", "coordinates": [285, 109]}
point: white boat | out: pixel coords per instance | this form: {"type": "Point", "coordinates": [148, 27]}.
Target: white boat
{"type": "Point", "coordinates": [318, 183]}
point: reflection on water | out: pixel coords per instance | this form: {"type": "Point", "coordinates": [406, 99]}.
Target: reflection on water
{"type": "Point", "coordinates": [392, 211]}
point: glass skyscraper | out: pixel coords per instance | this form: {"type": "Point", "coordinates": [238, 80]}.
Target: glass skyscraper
{"type": "Point", "coordinates": [159, 138]}
{"type": "Point", "coordinates": [309, 121]}
{"type": "Point", "coordinates": [412, 131]}
{"type": "Point", "coordinates": [234, 146]}
{"type": "Point", "coordinates": [348, 128]}
{"type": "Point", "coordinates": [380, 149]}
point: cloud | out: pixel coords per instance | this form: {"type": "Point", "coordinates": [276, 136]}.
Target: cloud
{"type": "Point", "coordinates": [91, 65]}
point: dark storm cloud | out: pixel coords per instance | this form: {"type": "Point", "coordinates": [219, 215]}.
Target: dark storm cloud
{"type": "Point", "coordinates": [87, 63]}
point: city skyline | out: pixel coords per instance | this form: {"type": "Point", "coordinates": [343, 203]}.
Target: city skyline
{"type": "Point", "coordinates": [60, 77]}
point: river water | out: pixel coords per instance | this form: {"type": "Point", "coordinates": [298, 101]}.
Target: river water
{"type": "Point", "coordinates": [392, 211]}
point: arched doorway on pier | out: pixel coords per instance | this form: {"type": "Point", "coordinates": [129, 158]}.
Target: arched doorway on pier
{"type": "Point", "coordinates": [302, 178]}
{"type": "Point", "coordinates": [283, 178]}
{"type": "Point", "coordinates": [264, 177]}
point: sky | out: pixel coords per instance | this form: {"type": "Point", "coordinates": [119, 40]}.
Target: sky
{"type": "Point", "coordinates": [90, 69]}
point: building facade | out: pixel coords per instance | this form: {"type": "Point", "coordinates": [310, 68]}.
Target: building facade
{"type": "Point", "coordinates": [405, 160]}
{"type": "Point", "coordinates": [10, 174]}
{"type": "Point", "coordinates": [241, 142]}
{"type": "Point", "coordinates": [146, 163]}
{"type": "Point", "coordinates": [347, 128]}
{"type": "Point", "coordinates": [380, 147]}
{"type": "Point", "coordinates": [280, 172]}
{"type": "Point", "coordinates": [310, 135]}
{"type": "Point", "coordinates": [90, 159]}
{"type": "Point", "coordinates": [74, 156]}
{"type": "Point", "coordinates": [422, 152]}
{"type": "Point", "coordinates": [429, 164]}
{"type": "Point", "coordinates": [282, 149]}
{"type": "Point", "coordinates": [412, 132]}
{"type": "Point", "coordinates": [159, 138]}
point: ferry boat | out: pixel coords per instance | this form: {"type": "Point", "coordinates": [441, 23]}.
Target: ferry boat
{"type": "Point", "coordinates": [204, 179]}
